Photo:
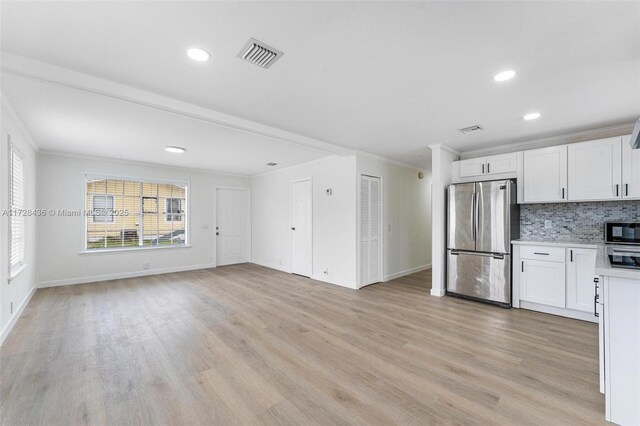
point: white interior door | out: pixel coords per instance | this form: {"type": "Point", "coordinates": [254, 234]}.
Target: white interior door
{"type": "Point", "coordinates": [370, 265]}
{"type": "Point", "coordinates": [301, 228]}
{"type": "Point", "coordinates": [232, 226]}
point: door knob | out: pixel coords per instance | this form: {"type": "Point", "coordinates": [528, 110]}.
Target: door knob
{"type": "Point", "coordinates": [293, 228]}
{"type": "Point", "coordinates": [217, 233]}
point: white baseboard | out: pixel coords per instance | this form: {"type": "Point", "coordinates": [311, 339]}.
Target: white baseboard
{"type": "Point", "coordinates": [122, 275]}
{"type": "Point", "coordinates": [569, 313]}
{"type": "Point", "coordinates": [324, 279]}
{"type": "Point", "coordinates": [437, 292]}
{"type": "Point", "coordinates": [406, 272]}
{"type": "Point", "coordinates": [270, 265]}
{"type": "Point", "coordinates": [16, 316]}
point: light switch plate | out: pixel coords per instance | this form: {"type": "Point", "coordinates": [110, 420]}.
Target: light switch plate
{"type": "Point", "coordinates": [548, 224]}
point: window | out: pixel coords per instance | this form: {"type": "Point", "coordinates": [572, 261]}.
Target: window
{"type": "Point", "coordinates": [132, 213]}
{"type": "Point", "coordinates": [174, 210]}
{"type": "Point", "coordinates": [103, 208]}
{"type": "Point", "coordinates": [17, 201]}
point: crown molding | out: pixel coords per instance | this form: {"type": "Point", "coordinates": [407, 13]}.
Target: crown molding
{"type": "Point", "coordinates": [560, 139]}
{"type": "Point", "coordinates": [444, 148]}
{"type": "Point", "coordinates": [306, 163]}
{"type": "Point", "coordinates": [18, 122]}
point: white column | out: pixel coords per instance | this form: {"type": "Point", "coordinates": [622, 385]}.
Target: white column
{"type": "Point", "coordinates": [442, 158]}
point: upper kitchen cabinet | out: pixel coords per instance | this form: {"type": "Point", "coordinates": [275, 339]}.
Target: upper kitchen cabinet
{"type": "Point", "coordinates": [473, 167]}
{"type": "Point", "coordinates": [545, 175]}
{"type": "Point", "coordinates": [595, 170]}
{"type": "Point", "coordinates": [630, 170]}
{"type": "Point", "coordinates": [488, 166]}
{"type": "Point", "coordinates": [504, 163]}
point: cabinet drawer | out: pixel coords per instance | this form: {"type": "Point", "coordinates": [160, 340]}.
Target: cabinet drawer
{"type": "Point", "coordinates": [551, 254]}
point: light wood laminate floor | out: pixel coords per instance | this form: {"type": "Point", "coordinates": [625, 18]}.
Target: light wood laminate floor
{"type": "Point", "coordinates": [245, 344]}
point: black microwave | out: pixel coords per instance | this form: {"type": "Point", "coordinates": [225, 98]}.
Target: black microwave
{"type": "Point", "coordinates": [622, 233]}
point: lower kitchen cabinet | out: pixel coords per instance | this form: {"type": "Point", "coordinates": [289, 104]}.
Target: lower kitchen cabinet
{"type": "Point", "coordinates": [580, 269]}
{"type": "Point", "coordinates": [542, 282]}
{"type": "Point", "coordinates": [555, 279]}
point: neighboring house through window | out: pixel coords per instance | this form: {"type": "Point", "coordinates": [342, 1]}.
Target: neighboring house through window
{"type": "Point", "coordinates": [174, 210]}
{"type": "Point", "coordinates": [133, 213]}
{"type": "Point", "coordinates": [103, 208]}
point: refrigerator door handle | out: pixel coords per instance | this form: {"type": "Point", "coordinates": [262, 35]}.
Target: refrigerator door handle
{"type": "Point", "coordinates": [473, 214]}
{"type": "Point", "coordinates": [476, 220]}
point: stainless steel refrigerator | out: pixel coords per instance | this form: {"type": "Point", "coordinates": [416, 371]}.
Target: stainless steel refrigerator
{"type": "Point", "coordinates": [483, 217]}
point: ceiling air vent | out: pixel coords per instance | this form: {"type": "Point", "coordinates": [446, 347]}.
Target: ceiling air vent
{"type": "Point", "coordinates": [471, 129]}
{"type": "Point", "coordinates": [259, 53]}
{"type": "Point", "coordinates": [272, 164]}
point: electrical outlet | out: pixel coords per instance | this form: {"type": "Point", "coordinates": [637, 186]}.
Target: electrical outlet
{"type": "Point", "coordinates": [145, 265]}
{"type": "Point", "coordinates": [548, 224]}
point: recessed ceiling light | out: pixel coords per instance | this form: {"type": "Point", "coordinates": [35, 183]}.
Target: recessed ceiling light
{"type": "Point", "coordinates": [198, 54]}
{"type": "Point", "coordinates": [505, 75]}
{"type": "Point", "coordinates": [532, 116]}
{"type": "Point", "coordinates": [175, 149]}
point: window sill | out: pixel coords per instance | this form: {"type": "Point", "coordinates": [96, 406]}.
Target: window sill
{"type": "Point", "coordinates": [15, 272]}
{"type": "Point", "coordinates": [127, 249]}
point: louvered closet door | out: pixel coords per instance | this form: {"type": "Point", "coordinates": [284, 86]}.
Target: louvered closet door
{"type": "Point", "coordinates": [370, 270]}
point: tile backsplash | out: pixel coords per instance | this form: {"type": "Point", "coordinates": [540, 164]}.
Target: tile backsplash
{"type": "Point", "coordinates": [574, 221]}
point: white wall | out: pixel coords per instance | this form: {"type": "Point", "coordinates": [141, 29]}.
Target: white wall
{"type": "Point", "coordinates": [19, 290]}
{"type": "Point", "coordinates": [442, 158]}
{"type": "Point", "coordinates": [334, 218]}
{"type": "Point", "coordinates": [60, 239]}
{"type": "Point", "coordinates": [406, 215]}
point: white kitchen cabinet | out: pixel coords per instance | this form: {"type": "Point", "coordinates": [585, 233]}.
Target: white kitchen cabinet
{"type": "Point", "coordinates": [504, 163]}
{"type": "Point", "coordinates": [621, 301]}
{"type": "Point", "coordinates": [545, 175]}
{"type": "Point", "coordinates": [554, 278]}
{"type": "Point", "coordinates": [473, 167]}
{"type": "Point", "coordinates": [595, 170]}
{"type": "Point", "coordinates": [581, 264]}
{"type": "Point", "coordinates": [491, 165]}
{"type": "Point", "coordinates": [630, 170]}
{"type": "Point", "coordinates": [542, 282]}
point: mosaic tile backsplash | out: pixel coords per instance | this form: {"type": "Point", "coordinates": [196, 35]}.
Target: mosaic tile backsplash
{"type": "Point", "coordinates": [574, 221]}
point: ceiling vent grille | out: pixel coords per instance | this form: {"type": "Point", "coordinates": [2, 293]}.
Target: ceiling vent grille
{"type": "Point", "coordinates": [272, 164]}
{"type": "Point", "coordinates": [471, 129]}
{"type": "Point", "coordinates": [259, 53]}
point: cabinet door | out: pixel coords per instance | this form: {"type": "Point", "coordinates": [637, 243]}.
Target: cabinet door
{"type": "Point", "coordinates": [472, 167]}
{"type": "Point", "coordinates": [504, 163]}
{"type": "Point", "coordinates": [545, 174]}
{"type": "Point", "coordinates": [630, 170]}
{"type": "Point", "coordinates": [595, 170]}
{"type": "Point", "coordinates": [580, 273]}
{"type": "Point", "coordinates": [542, 282]}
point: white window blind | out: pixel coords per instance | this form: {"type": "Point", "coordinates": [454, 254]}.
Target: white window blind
{"type": "Point", "coordinates": [17, 201]}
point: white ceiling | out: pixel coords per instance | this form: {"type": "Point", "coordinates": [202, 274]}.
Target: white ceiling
{"type": "Point", "coordinates": [74, 121]}
{"type": "Point", "coordinates": [384, 77]}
